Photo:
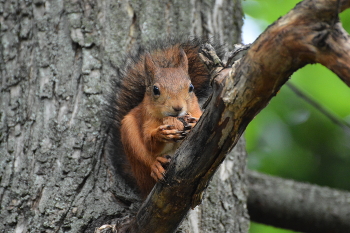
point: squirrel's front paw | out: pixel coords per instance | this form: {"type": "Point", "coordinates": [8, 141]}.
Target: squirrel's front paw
{"type": "Point", "coordinates": [189, 122]}
{"type": "Point", "coordinates": [159, 166]}
{"type": "Point", "coordinates": [168, 133]}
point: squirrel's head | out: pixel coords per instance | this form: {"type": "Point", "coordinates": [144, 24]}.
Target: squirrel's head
{"type": "Point", "coordinates": [169, 89]}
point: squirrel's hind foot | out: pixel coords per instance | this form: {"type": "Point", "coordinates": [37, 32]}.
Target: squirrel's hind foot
{"type": "Point", "coordinates": [159, 166]}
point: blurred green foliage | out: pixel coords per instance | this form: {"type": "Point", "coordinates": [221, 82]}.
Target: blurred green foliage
{"type": "Point", "coordinates": [292, 139]}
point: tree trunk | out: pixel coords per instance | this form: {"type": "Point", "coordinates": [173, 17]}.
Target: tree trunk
{"type": "Point", "coordinates": [56, 61]}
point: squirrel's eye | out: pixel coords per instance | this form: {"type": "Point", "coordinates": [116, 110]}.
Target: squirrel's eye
{"type": "Point", "coordinates": [156, 90]}
{"type": "Point", "coordinates": [191, 88]}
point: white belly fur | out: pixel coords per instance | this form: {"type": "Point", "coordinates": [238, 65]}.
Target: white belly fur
{"type": "Point", "coordinates": [170, 148]}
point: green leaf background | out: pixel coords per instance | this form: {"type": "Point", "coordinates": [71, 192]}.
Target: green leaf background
{"type": "Point", "coordinates": [292, 139]}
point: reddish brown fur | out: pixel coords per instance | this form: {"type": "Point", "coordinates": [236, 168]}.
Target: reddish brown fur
{"type": "Point", "coordinates": [152, 126]}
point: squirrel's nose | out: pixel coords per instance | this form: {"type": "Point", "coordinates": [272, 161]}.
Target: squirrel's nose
{"type": "Point", "coordinates": [177, 108]}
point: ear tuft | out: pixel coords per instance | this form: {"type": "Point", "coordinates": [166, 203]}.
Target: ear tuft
{"type": "Point", "coordinates": [150, 69]}
{"type": "Point", "coordinates": [183, 61]}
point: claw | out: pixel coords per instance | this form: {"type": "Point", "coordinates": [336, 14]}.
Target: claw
{"type": "Point", "coordinates": [159, 167]}
{"type": "Point", "coordinates": [187, 127]}
{"type": "Point", "coordinates": [182, 119]}
{"type": "Point", "coordinates": [168, 133]}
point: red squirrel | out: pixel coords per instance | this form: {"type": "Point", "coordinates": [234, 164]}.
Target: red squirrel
{"type": "Point", "coordinates": [156, 106]}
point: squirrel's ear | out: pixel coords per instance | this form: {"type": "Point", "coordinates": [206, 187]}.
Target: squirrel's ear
{"type": "Point", "coordinates": [150, 68]}
{"type": "Point", "coordinates": [183, 61]}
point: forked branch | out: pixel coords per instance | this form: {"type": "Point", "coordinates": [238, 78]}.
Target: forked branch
{"type": "Point", "coordinates": [310, 33]}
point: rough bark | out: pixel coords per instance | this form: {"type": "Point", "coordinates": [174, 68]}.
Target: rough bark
{"type": "Point", "coordinates": [223, 193]}
{"type": "Point", "coordinates": [56, 58]}
{"type": "Point", "coordinates": [309, 33]}
{"type": "Point", "coordinates": [297, 206]}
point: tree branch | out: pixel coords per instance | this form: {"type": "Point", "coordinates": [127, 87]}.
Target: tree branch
{"type": "Point", "coordinates": [307, 34]}
{"type": "Point", "coordinates": [335, 119]}
{"type": "Point", "coordinates": [297, 206]}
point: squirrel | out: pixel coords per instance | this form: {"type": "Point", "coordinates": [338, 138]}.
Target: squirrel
{"type": "Point", "coordinates": [153, 105]}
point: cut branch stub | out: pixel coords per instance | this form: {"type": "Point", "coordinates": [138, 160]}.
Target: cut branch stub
{"type": "Point", "coordinates": [307, 34]}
